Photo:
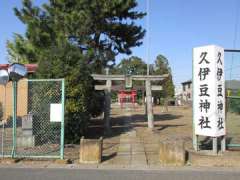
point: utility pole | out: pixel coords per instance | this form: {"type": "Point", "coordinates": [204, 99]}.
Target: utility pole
{"type": "Point", "coordinates": [148, 81]}
{"type": "Point", "coordinates": [147, 36]}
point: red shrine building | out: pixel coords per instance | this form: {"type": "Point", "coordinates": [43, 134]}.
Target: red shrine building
{"type": "Point", "coordinates": [127, 96]}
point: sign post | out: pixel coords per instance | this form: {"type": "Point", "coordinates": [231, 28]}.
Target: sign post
{"type": "Point", "coordinates": [16, 71]}
{"type": "Point", "coordinates": [209, 93]}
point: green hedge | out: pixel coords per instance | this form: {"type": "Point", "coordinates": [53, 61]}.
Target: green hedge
{"type": "Point", "coordinates": [234, 105]}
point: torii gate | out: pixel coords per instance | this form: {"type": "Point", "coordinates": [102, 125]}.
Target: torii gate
{"type": "Point", "coordinates": [128, 80]}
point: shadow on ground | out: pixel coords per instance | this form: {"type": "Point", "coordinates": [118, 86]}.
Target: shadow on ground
{"type": "Point", "coordinates": [96, 127]}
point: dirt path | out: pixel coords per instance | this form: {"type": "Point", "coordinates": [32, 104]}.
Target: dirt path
{"type": "Point", "coordinates": [131, 149]}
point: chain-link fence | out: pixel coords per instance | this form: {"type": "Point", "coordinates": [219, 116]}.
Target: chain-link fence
{"type": "Point", "coordinates": [233, 122]}
{"type": "Point", "coordinates": [232, 84]}
{"type": "Point", "coordinates": [38, 130]}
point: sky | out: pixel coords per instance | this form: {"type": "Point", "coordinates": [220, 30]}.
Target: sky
{"type": "Point", "coordinates": [175, 28]}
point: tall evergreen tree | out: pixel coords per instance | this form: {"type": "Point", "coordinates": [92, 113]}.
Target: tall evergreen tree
{"type": "Point", "coordinates": [162, 67]}
{"type": "Point", "coordinates": [72, 39]}
{"type": "Point", "coordinates": [131, 66]}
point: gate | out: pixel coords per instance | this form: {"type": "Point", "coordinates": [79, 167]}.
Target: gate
{"type": "Point", "coordinates": [38, 129]}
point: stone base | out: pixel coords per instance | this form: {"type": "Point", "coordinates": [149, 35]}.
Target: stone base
{"type": "Point", "coordinates": [26, 141]}
{"type": "Point", "coordinates": [90, 151]}
{"type": "Point", "coordinates": [172, 153]}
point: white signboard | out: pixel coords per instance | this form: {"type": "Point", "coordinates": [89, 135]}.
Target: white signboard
{"type": "Point", "coordinates": [209, 91]}
{"type": "Point", "coordinates": [55, 112]}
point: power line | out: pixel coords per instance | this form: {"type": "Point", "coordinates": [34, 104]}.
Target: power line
{"type": "Point", "coordinates": [235, 36]}
{"type": "Point", "coordinates": [231, 68]}
{"type": "Point", "coordinates": [147, 36]}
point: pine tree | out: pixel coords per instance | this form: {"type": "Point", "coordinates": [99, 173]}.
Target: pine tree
{"type": "Point", "coordinates": [72, 39]}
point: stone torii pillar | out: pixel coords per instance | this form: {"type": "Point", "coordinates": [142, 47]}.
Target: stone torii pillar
{"type": "Point", "coordinates": [107, 105]}
{"type": "Point", "coordinates": [149, 104]}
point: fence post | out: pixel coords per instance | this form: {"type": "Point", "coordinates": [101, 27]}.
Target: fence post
{"type": "Point", "coordinates": [214, 145]}
{"type": "Point", "coordinates": [62, 122]}
{"type": "Point", "coordinates": [14, 117]}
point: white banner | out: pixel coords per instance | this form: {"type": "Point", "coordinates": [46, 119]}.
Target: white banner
{"type": "Point", "coordinates": [209, 91]}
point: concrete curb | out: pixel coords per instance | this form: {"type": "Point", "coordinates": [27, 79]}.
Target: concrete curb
{"type": "Point", "coordinates": [207, 159]}
{"type": "Point", "coordinates": [116, 167]}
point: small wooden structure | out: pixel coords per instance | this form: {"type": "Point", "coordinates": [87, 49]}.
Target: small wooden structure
{"type": "Point", "coordinates": [126, 96]}
{"type": "Point", "coordinates": [108, 78]}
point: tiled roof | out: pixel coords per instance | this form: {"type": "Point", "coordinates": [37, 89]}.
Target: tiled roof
{"type": "Point", "coordinates": [31, 68]}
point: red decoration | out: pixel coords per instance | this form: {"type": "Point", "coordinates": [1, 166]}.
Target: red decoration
{"type": "Point", "coordinates": [126, 96]}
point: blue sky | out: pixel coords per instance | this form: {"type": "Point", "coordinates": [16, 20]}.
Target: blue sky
{"type": "Point", "coordinates": [176, 26]}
